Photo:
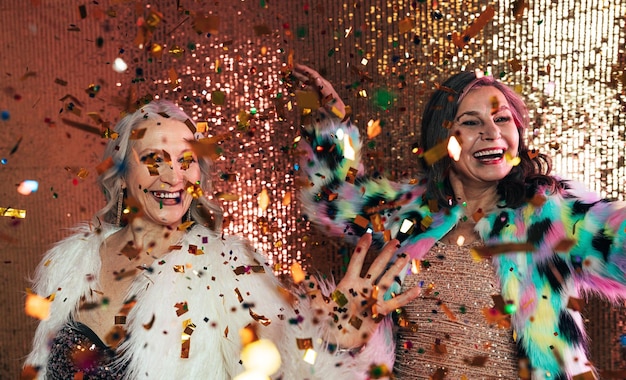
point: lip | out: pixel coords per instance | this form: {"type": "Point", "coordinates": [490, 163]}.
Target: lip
{"type": "Point", "coordinates": [167, 198]}
{"type": "Point", "coordinates": [491, 150]}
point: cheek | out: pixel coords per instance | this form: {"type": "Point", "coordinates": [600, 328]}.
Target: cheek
{"type": "Point", "coordinates": [138, 176]}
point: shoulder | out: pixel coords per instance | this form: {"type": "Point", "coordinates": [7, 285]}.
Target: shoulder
{"type": "Point", "coordinates": [77, 253]}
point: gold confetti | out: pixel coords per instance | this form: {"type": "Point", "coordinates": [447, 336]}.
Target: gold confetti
{"type": "Point", "coordinates": [339, 298]}
{"type": "Point", "coordinates": [307, 100]}
{"type": "Point", "coordinates": [361, 221]}
{"type": "Point", "coordinates": [512, 160]}
{"type": "Point", "coordinates": [264, 200]}
{"type": "Point", "coordinates": [297, 274]}
{"type": "Point", "coordinates": [148, 325]}
{"type": "Point", "coordinates": [373, 128]}
{"type": "Point", "coordinates": [405, 25]}
{"type": "Point", "coordinates": [460, 40]}
{"type": "Point", "coordinates": [304, 343]}
{"type": "Point", "coordinates": [12, 212]}
{"type": "Point", "coordinates": [185, 337]}
{"type": "Point", "coordinates": [260, 318]}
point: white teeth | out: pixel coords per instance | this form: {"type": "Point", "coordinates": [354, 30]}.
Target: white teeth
{"type": "Point", "coordinates": [489, 152]}
{"type": "Point", "coordinates": [166, 195]}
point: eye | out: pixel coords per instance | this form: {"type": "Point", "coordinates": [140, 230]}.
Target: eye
{"type": "Point", "coordinates": [469, 122]}
{"type": "Point", "coordinates": [151, 158]}
{"type": "Point", "coordinates": [502, 119]}
{"type": "Point", "coordinates": [186, 160]}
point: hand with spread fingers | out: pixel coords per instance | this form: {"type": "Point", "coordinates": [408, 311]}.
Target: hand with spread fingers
{"type": "Point", "coordinates": [357, 304]}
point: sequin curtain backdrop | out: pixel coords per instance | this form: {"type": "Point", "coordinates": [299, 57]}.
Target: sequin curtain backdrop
{"type": "Point", "coordinates": [224, 63]}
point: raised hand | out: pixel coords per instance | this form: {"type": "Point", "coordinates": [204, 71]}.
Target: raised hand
{"type": "Point", "coordinates": [311, 80]}
{"type": "Point", "coordinates": [358, 304]}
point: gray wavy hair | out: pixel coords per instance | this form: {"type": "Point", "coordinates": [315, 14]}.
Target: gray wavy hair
{"type": "Point", "coordinates": [203, 210]}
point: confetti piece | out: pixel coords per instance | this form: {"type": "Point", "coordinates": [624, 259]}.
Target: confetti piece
{"type": "Point", "coordinates": [148, 325]}
{"type": "Point", "coordinates": [307, 100]}
{"type": "Point", "coordinates": [181, 308]}
{"type": "Point", "coordinates": [440, 348]}
{"type": "Point", "coordinates": [104, 166]}
{"type": "Point", "coordinates": [176, 51]}
{"type": "Point", "coordinates": [512, 160]}
{"type": "Point", "coordinates": [37, 306]}
{"type": "Point", "coordinates": [185, 338]}
{"type": "Point", "coordinates": [185, 226]}
{"type": "Point", "coordinates": [286, 199]}
{"type": "Point", "coordinates": [119, 66]}
{"type": "Point", "coordinates": [264, 200]}
{"type": "Point", "coordinates": [194, 190]}
{"type": "Point", "coordinates": [206, 147]}
{"type": "Point", "coordinates": [81, 126]}
{"type": "Point", "coordinates": [12, 212]}
{"type": "Point", "coordinates": [406, 25]}
{"type": "Point", "coordinates": [339, 298]}
{"type": "Point", "coordinates": [205, 23]}
{"type": "Point", "coordinates": [355, 322]}
{"type": "Point", "coordinates": [29, 373]}
{"type": "Point", "coordinates": [297, 274]}
{"type": "Point", "coordinates": [477, 361]}
{"type": "Point", "coordinates": [16, 146]}
{"type": "Point", "coordinates": [218, 98]}
{"type": "Point", "coordinates": [564, 245]}
{"type": "Point", "coordinates": [377, 224]}
{"type": "Point", "coordinates": [575, 304]}
{"type": "Point", "coordinates": [436, 153]}
{"type": "Point", "coordinates": [515, 65]}
{"type": "Point", "coordinates": [491, 250]}
{"type": "Point", "coordinates": [193, 250]}
{"type": "Point", "coordinates": [348, 148]}
{"type": "Point", "coordinates": [460, 40]}
{"type": "Point", "coordinates": [27, 187]}
{"type": "Point", "coordinates": [454, 148]}
{"type": "Point", "coordinates": [373, 129]}
{"type": "Point", "coordinates": [361, 221]}
{"type": "Point", "coordinates": [310, 356]}
{"type": "Point", "coordinates": [518, 9]}
{"type": "Point", "coordinates": [304, 343]}
{"type": "Point", "coordinates": [227, 196]}
{"type": "Point", "coordinates": [261, 30]}
{"type": "Point", "coordinates": [130, 251]}
{"type": "Point", "coordinates": [379, 371]}
{"type": "Point", "coordinates": [260, 318]}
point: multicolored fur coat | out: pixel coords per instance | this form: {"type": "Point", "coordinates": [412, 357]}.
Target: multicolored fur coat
{"type": "Point", "coordinates": [221, 285]}
{"type": "Point", "coordinates": [577, 244]}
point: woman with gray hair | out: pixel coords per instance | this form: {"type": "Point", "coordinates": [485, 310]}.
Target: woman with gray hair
{"type": "Point", "coordinates": [152, 288]}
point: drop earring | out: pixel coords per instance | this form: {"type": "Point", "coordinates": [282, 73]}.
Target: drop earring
{"type": "Point", "coordinates": [120, 206]}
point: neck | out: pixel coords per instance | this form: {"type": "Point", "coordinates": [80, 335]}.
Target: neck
{"type": "Point", "coordinates": [476, 199]}
{"type": "Point", "coordinates": [149, 238]}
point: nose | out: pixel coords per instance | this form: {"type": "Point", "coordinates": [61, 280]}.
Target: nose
{"type": "Point", "coordinates": [170, 174]}
{"type": "Point", "coordinates": [490, 131]}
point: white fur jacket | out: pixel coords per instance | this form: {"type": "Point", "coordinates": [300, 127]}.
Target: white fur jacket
{"type": "Point", "coordinates": [223, 290]}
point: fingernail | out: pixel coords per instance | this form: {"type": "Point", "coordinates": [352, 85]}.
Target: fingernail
{"type": "Point", "coordinates": [358, 249]}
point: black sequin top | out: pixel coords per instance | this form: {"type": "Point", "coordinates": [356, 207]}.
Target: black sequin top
{"type": "Point", "coordinates": [78, 350]}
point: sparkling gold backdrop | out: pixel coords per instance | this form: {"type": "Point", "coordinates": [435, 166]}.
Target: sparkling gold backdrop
{"type": "Point", "coordinates": [226, 63]}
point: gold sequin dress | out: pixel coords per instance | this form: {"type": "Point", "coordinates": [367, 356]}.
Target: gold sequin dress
{"type": "Point", "coordinates": [453, 338]}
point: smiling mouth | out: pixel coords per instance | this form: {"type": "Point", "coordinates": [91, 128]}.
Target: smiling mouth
{"type": "Point", "coordinates": [167, 198]}
{"type": "Point", "coordinates": [489, 155]}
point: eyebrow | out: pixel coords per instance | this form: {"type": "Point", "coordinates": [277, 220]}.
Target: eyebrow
{"type": "Point", "coordinates": [474, 113]}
